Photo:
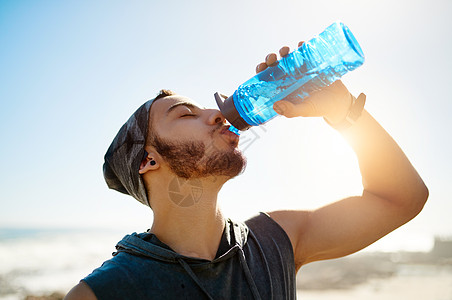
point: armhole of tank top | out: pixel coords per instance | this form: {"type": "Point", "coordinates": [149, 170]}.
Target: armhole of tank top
{"type": "Point", "coordinates": [284, 234]}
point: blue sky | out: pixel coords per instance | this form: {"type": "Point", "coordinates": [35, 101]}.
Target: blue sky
{"type": "Point", "coordinates": [72, 72]}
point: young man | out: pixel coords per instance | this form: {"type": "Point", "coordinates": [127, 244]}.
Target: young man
{"type": "Point", "coordinates": [175, 156]}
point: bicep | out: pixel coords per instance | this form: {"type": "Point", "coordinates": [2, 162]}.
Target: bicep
{"type": "Point", "coordinates": [81, 291]}
{"type": "Point", "coordinates": [340, 228]}
{"type": "Point", "coordinates": [347, 226]}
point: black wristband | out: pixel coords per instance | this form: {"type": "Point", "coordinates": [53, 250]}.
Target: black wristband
{"type": "Point", "coordinates": [353, 114]}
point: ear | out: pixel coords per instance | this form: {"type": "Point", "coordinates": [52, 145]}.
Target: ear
{"type": "Point", "coordinates": [150, 163]}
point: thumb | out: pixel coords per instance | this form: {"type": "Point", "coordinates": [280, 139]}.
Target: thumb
{"type": "Point", "coordinates": [291, 110]}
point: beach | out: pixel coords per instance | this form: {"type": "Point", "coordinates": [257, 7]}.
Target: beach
{"type": "Point", "coordinates": [409, 281]}
{"type": "Point", "coordinates": [40, 263]}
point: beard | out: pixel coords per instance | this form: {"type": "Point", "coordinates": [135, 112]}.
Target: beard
{"type": "Point", "coordinates": [193, 160]}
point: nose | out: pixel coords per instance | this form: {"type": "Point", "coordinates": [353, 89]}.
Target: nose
{"type": "Point", "coordinates": [215, 117]}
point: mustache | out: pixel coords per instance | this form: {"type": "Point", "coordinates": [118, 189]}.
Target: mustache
{"type": "Point", "coordinates": [217, 128]}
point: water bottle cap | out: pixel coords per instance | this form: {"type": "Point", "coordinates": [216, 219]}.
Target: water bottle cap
{"type": "Point", "coordinates": [229, 111]}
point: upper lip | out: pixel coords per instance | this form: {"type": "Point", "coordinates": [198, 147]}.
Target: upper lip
{"type": "Point", "coordinates": [224, 129]}
{"type": "Point", "coordinates": [234, 138]}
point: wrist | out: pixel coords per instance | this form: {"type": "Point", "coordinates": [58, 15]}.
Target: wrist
{"type": "Point", "coordinates": [354, 112]}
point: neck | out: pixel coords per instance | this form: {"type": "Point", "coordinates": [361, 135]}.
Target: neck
{"type": "Point", "coordinates": [187, 217]}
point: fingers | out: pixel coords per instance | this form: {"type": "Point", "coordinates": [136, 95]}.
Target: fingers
{"type": "Point", "coordinates": [291, 110]}
{"type": "Point", "coordinates": [272, 58]}
{"type": "Point", "coordinates": [331, 102]}
{"type": "Point", "coordinates": [284, 51]}
{"type": "Point", "coordinates": [260, 67]}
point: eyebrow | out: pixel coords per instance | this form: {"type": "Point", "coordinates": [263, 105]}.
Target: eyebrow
{"type": "Point", "coordinates": [175, 105]}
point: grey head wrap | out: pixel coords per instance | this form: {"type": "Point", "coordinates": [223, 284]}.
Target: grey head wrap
{"type": "Point", "coordinates": [125, 154]}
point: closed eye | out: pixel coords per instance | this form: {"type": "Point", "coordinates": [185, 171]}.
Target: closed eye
{"type": "Point", "coordinates": [187, 115]}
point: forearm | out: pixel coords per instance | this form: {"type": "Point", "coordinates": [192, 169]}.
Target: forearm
{"type": "Point", "coordinates": [385, 169]}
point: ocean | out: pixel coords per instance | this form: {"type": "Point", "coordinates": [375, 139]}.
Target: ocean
{"type": "Point", "coordinates": [40, 261]}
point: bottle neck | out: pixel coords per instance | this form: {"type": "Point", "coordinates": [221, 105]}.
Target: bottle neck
{"type": "Point", "coordinates": [230, 112]}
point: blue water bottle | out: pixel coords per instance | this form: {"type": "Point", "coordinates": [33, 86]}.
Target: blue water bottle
{"type": "Point", "coordinates": [316, 64]}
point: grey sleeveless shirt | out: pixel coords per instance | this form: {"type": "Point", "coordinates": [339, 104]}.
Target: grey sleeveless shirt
{"type": "Point", "coordinates": [255, 260]}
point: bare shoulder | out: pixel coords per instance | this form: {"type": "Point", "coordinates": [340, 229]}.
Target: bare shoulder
{"type": "Point", "coordinates": [290, 220]}
{"type": "Point", "coordinates": [81, 291]}
{"type": "Point", "coordinates": [294, 223]}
